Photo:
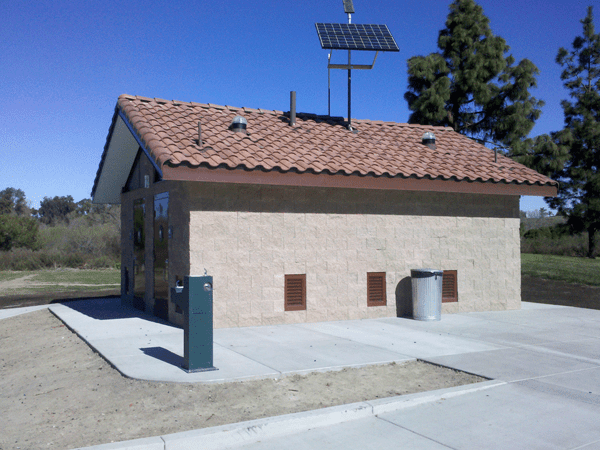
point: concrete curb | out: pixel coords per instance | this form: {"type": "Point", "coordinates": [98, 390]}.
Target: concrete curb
{"type": "Point", "coordinates": [391, 404]}
{"type": "Point", "coordinates": [252, 431]}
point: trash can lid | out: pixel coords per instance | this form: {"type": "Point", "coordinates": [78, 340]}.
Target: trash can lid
{"type": "Point", "coordinates": [425, 273]}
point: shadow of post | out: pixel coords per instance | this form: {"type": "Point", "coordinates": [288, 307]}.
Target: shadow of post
{"type": "Point", "coordinates": [164, 355]}
{"type": "Point", "coordinates": [404, 305]}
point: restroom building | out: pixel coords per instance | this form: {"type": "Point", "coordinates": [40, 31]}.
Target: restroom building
{"type": "Point", "coordinates": [300, 219]}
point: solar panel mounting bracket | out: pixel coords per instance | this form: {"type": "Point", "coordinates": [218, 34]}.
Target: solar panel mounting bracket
{"type": "Point", "coordinates": [351, 66]}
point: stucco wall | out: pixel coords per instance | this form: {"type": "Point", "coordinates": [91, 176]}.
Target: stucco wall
{"type": "Point", "coordinates": [249, 237]}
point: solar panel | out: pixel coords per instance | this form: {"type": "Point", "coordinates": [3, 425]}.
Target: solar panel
{"type": "Point", "coordinates": [353, 36]}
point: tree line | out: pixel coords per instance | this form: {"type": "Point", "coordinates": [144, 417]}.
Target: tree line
{"type": "Point", "coordinates": [476, 87]}
{"type": "Point", "coordinates": [61, 232]}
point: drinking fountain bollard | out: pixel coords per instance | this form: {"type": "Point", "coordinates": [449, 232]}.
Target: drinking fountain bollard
{"type": "Point", "coordinates": [195, 298]}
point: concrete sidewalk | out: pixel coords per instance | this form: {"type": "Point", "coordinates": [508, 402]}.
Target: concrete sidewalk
{"type": "Point", "coordinates": [544, 360]}
{"type": "Point", "coordinates": [141, 346]}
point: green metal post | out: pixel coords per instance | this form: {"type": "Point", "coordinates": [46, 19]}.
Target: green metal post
{"type": "Point", "coordinates": [195, 299]}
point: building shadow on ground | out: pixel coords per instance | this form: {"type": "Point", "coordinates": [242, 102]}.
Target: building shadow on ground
{"type": "Point", "coordinates": [110, 308]}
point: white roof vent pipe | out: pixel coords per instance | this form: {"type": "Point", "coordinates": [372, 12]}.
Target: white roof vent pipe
{"type": "Point", "coordinates": [239, 124]}
{"type": "Point", "coordinates": [429, 140]}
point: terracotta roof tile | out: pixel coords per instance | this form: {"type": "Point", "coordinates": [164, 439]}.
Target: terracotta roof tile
{"type": "Point", "coordinates": [316, 143]}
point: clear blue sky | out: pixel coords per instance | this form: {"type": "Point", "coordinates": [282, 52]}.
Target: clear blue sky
{"type": "Point", "coordinates": [64, 63]}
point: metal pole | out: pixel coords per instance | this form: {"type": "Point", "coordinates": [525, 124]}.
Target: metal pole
{"type": "Point", "coordinates": [349, 84]}
{"type": "Point", "coordinates": [329, 85]}
{"type": "Point", "coordinates": [349, 93]}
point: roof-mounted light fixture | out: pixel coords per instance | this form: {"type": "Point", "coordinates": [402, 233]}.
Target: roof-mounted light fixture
{"type": "Point", "coordinates": [238, 124]}
{"type": "Point", "coordinates": [429, 140]}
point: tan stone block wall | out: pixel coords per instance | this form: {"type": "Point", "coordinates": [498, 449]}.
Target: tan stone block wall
{"type": "Point", "coordinates": [249, 237]}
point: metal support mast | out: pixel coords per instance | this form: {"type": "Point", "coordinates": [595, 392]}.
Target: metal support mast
{"type": "Point", "coordinates": [349, 9]}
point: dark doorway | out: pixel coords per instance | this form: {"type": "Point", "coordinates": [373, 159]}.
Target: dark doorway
{"type": "Point", "coordinates": [139, 254]}
{"type": "Point", "coordinates": [161, 255]}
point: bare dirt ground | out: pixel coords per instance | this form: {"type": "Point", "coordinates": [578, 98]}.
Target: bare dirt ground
{"type": "Point", "coordinates": [55, 392]}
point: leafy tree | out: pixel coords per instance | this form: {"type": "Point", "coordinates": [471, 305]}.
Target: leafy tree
{"type": "Point", "coordinates": [13, 201]}
{"type": "Point", "coordinates": [470, 85]}
{"type": "Point", "coordinates": [96, 214]}
{"type": "Point", "coordinates": [18, 231]}
{"type": "Point", "coordinates": [56, 210]}
{"type": "Point", "coordinates": [106, 214]}
{"type": "Point", "coordinates": [579, 192]}
{"type": "Point", "coordinates": [544, 154]}
{"type": "Point", "coordinates": [83, 206]}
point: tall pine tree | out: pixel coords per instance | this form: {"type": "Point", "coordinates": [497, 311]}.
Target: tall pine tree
{"type": "Point", "coordinates": [470, 85]}
{"type": "Point", "coordinates": [579, 193]}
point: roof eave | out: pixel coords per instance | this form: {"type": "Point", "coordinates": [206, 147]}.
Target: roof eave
{"type": "Point", "coordinates": [278, 178]}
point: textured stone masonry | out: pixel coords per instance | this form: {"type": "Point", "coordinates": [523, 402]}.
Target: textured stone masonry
{"type": "Point", "coordinates": [249, 237]}
{"type": "Point", "coordinates": [335, 237]}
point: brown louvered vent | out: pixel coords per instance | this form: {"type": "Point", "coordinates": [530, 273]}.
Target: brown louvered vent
{"type": "Point", "coordinates": [376, 289]}
{"type": "Point", "coordinates": [449, 286]}
{"type": "Point", "coordinates": [295, 292]}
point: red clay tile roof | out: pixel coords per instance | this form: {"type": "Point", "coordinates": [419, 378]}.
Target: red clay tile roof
{"type": "Point", "coordinates": [317, 144]}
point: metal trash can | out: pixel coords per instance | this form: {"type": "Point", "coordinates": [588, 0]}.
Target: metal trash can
{"type": "Point", "coordinates": [426, 294]}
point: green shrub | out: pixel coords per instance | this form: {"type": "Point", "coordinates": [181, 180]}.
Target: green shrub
{"type": "Point", "coordinates": [52, 238]}
{"type": "Point", "coordinates": [18, 231]}
{"type": "Point", "coordinates": [88, 236]}
{"type": "Point", "coordinates": [554, 240]}
{"type": "Point", "coordinates": [565, 245]}
{"type": "Point", "coordinates": [552, 232]}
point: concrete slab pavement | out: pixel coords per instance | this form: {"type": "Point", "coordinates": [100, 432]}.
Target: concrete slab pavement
{"type": "Point", "coordinates": [513, 364]}
{"type": "Point", "coordinates": [511, 416]}
{"type": "Point", "coordinates": [398, 337]}
{"type": "Point", "coordinates": [295, 348]}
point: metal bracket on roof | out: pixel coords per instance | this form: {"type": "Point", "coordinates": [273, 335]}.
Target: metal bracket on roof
{"type": "Point", "coordinates": [346, 67]}
{"type": "Point", "coordinates": [351, 66]}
